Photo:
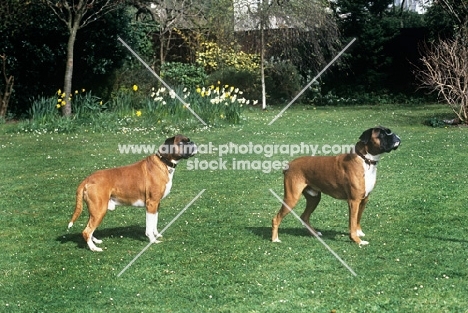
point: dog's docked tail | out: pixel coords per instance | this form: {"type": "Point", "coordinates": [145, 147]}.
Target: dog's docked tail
{"type": "Point", "coordinates": [79, 203]}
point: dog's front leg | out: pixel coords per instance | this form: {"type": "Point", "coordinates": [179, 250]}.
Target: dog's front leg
{"type": "Point", "coordinates": [156, 233]}
{"type": "Point", "coordinates": [152, 223]}
{"type": "Point", "coordinates": [354, 206]}
{"type": "Point", "coordinates": [362, 207]}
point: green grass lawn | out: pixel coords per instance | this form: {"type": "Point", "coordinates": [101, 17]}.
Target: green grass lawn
{"type": "Point", "coordinates": [218, 257]}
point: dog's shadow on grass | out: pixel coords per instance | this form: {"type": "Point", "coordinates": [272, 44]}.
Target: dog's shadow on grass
{"type": "Point", "coordinates": [133, 232]}
{"type": "Point", "coordinates": [265, 232]}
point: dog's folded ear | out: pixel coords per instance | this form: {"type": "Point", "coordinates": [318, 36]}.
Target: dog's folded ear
{"type": "Point", "coordinates": [366, 136]}
{"type": "Point", "coordinates": [169, 141]}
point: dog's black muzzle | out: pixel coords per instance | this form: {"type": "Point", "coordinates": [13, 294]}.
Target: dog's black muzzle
{"type": "Point", "coordinates": [189, 150]}
{"type": "Point", "coordinates": [393, 142]}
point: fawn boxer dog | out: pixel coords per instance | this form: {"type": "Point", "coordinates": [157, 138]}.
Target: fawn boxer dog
{"type": "Point", "coordinates": [142, 184]}
{"type": "Point", "coordinates": [349, 177]}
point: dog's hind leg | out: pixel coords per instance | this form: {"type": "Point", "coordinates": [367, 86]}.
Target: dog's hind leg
{"type": "Point", "coordinates": [292, 193]}
{"type": "Point", "coordinates": [313, 198]}
{"type": "Point", "coordinates": [97, 211]}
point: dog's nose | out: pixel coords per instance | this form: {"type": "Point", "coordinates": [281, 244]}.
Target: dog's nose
{"type": "Point", "coordinates": [195, 149]}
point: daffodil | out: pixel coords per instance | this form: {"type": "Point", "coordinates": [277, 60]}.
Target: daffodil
{"type": "Point", "coordinates": [138, 113]}
{"type": "Point", "coordinates": [135, 88]}
{"type": "Point", "coordinates": [59, 92]}
{"type": "Point", "coordinates": [172, 94]}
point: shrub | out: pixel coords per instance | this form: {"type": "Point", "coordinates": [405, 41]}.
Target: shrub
{"type": "Point", "coordinates": [246, 80]}
{"type": "Point", "coordinates": [282, 81]}
{"type": "Point", "coordinates": [183, 74]}
{"type": "Point", "coordinates": [212, 58]}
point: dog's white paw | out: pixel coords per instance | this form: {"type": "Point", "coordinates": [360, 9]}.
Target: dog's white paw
{"type": "Point", "coordinates": [363, 243]}
{"type": "Point", "coordinates": [96, 249]}
{"type": "Point", "coordinates": [153, 239]}
{"type": "Point", "coordinates": [92, 246]}
{"type": "Point", "coordinates": [276, 240]}
{"type": "Point", "coordinates": [359, 233]}
{"type": "Point", "coordinates": [157, 235]}
{"type": "Point", "coordinates": [95, 240]}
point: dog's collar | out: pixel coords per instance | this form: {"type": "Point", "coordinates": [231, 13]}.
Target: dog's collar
{"type": "Point", "coordinates": [366, 160]}
{"type": "Point", "coordinates": [166, 160]}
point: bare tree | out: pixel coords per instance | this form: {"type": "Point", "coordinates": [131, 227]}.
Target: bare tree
{"type": "Point", "coordinates": [295, 22]}
{"type": "Point", "coordinates": [445, 71]}
{"type": "Point", "coordinates": [77, 14]}
{"type": "Point", "coordinates": [169, 15]}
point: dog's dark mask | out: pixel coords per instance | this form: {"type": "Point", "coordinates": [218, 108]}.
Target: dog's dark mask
{"type": "Point", "coordinates": [388, 140]}
{"type": "Point", "coordinates": [184, 148]}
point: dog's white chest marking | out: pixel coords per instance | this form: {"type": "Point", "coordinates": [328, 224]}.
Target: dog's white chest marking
{"type": "Point", "coordinates": [370, 174]}
{"type": "Point", "coordinates": [169, 183]}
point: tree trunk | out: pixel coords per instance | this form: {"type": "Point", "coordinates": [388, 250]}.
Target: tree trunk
{"type": "Point", "coordinates": [161, 49]}
{"type": "Point", "coordinates": [262, 59]}
{"type": "Point", "coordinates": [67, 85]}
{"type": "Point", "coordinates": [5, 97]}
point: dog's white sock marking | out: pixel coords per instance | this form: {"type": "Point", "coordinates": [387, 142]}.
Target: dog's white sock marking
{"type": "Point", "coordinates": [276, 240]}
{"type": "Point", "coordinates": [91, 244]}
{"type": "Point", "coordinates": [359, 233]}
{"type": "Point", "coordinates": [151, 225]}
{"type": "Point", "coordinates": [95, 240]}
{"type": "Point", "coordinates": [156, 233]}
{"type": "Point", "coordinates": [70, 224]}
{"type": "Point", "coordinates": [363, 243]}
